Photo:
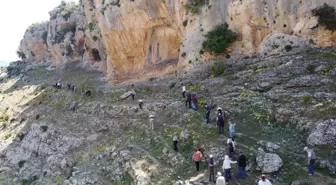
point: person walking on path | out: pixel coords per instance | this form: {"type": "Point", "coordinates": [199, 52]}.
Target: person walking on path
{"type": "Point", "coordinates": [241, 166]}
{"type": "Point", "coordinates": [175, 142]}
{"type": "Point", "coordinates": [264, 181]}
{"type": "Point", "coordinates": [196, 158]}
{"type": "Point", "coordinates": [211, 164]}
{"type": "Point", "coordinates": [188, 100]}
{"type": "Point", "coordinates": [231, 146]}
{"type": "Point", "coordinates": [220, 123]}
{"type": "Point", "coordinates": [183, 90]}
{"type": "Point", "coordinates": [232, 129]}
{"type": "Point", "coordinates": [220, 179]}
{"type": "Point", "coordinates": [227, 167]}
{"type": "Point", "coordinates": [207, 113]}
{"type": "Point", "coordinates": [311, 159]}
{"type": "Point", "coordinates": [179, 182]}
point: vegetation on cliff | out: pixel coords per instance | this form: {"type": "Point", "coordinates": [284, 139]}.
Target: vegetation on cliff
{"type": "Point", "coordinates": [326, 16]}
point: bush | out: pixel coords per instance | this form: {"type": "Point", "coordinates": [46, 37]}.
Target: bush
{"type": "Point", "coordinates": [306, 98]}
{"type": "Point", "coordinates": [326, 16]}
{"type": "Point", "coordinates": [195, 5]}
{"type": "Point", "coordinates": [218, 40]}
{"type": "Point", "coordinates": [20, 54]}
{"type": "Point", "coordinates": [218, 69]}
{"type": "Point", "coordinates": [67, 8]}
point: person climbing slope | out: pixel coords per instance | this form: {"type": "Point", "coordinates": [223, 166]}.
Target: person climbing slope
{"type": "Point", "coordinates": [175, 142]}
{"type": "Point", "coordinates": [140, 104]}
{"type": "Point", "coordinates": [227, 167]}
{"type": "Point", "coordinates": [211, 164]}
{"type": "Point", "coordinates": [207, 113]}
{"type": "Point", "coordinates": [241, 166]}
{"type": "Point", "coordinates": [220, 123]}
{"type": "Point", "coordinates": [231, 146]}
{"type": "Point", "coordinates": [133, 94]}
{"type": "Point", "coordinates": [69, 85]}
{"type": "Point", "coordinates": [232, 129]}
{"type": "Point", "coordinates": [311, 156]}
{"type": "Point", "coordinates": [196, 158]}
{"type": "Point", "coordinates": [220, 179]}
{"type": "Point", "coordinates": [188, 100]}
{"type": "Point", "coordinates": [183, 90]}
{"type": "Point", "coordinates": [264, 181]}
{"type": "Point", "coordinates": [194, 102]}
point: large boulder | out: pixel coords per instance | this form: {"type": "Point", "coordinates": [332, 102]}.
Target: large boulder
{"type": "Point", "coordinates": [323, 132]}
{"type": "Point", "coordinates": [268, 162]}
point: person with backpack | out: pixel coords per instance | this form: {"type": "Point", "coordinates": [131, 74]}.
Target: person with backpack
{"type": "Point", "coordinates": [188, 100]}
{"type": "Point", "coordinates": [241, 166]}
{"type": "Point", "coordinates": [179, 182]}
{"type": "Point", "coordinates": [227, 167]}
{"type": "Point", "coordinates": [232, 129]}
{"type": "Point", "coordinates": [264, 181]}
{"type": "Point", "coordinates": [220, 179]}
{"type": "Point", "coordinates": [231, 146]}
{"type": "Point", "coordinates": [211, 164]}
{"type": "Point", "coordinates": [183, 90]}
{"type": "Point", "coordinates": [175, 142]}
{"type": "Point", "coordinates": [207, 113]}
{"type": "Point", "coordinates": [311, 159]}
{"type": "Point", "coordinates": [220, 123]}
{"type": "Point", "coordinates": [196, 158]}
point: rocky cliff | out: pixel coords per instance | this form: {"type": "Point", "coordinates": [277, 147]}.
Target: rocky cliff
{"type": "Point", "coordinates": [143, 38]}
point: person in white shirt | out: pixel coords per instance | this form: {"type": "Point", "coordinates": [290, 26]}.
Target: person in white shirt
{"type": "Point", "coordinates": [264, 181]}
{"type": "Point", "coordinates": [227, 167]}
{"type": "Point", "coordinates": [220, 179]}
{"type": "Point", "coordinates": [183, 90]}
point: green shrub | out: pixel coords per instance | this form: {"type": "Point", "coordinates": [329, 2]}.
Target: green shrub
{"type": "Point", "coordinates": [306, 98]}
{"type": "Point", "coordinates": [67, 8]}
{"type": "Point", "coordinates": [218, 69]}
{"type": "Point", "coordinates": [311, 68]}
{"type": "Point", "coordinates": [4, 117]}
{"type": "Point", "coordinates": [195, 5]}
{"type": "Point", "coordinates": [326, 16]}
{"type": "Point", "coordinates": [218, 40]}
{"type": "Point", "coordinates": [20, 54]}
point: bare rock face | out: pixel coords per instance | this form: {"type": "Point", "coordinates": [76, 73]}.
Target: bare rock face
{"type": "Point", "coordinates": [323, 133]}
{"type": "Point", "coordinates": [143, 38]}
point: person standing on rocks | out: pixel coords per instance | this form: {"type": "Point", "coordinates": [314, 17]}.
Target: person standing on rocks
{"type": "Point", "coordinates": [196, 158]}
{"type": "Point", "coordinates": [179, 182]}
{"type": "Point", "coordinates": [183, 90]}
{"type": "Point", "coordinates": [220, 123]}
{"type": "Point", "coordinates": [151, 122]}
{"type": "Point", "coordinates": [227, 167]}
{"type": "Point", "coordinates": [140, 104]}
{"type": "Point", "coordinates": [175, 142]}
{"type": "Point", "coordinates": [232, 129]}
{"type": "Point", "coordinates": [311, 159]}
{"type": "Point", "coordinates": [188, 100]}
{"type": "Point", "coordinates": [212, 165]}
{"type": "Point", "coordinates": [220, 179]}
{"type": "Point", "coordinates": [264, 181]}
{"type": "Point", "coordinates": [207, 113]}
{"type": "Point", "coordinates": [241, 166]}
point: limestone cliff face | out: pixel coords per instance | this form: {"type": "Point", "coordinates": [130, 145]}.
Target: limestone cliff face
{"type": "Point", "coordinates": [130, 39]}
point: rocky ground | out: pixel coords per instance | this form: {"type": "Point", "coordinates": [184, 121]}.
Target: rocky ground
{"type": "Point", "coordinates": [280, 105]}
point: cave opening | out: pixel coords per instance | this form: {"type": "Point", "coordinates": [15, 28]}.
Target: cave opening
{"type": "Point", "coordinates": [95, 54]}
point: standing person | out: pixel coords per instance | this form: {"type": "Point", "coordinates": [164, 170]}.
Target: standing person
{"type": "Point", "coordinates": [241, 166]}
{"type": "Point", "coordinates": [69, 85]}
{"type": "Point", "coordinates": [140, 104]}
{"type": "Point", "coordinates": [220, 179]}
{"type": "Point", "coordinates": [175, 142]}
{"type": "Point", "coordinates": [151, 122]}
{"type": "Point", "coordinates": [133, 94]}
{"type": "Point", "coordinates": [207, 113]}
{"type": "Point", "coordinates": [311, 159]}
{"type": "Point", "coordinates": [212, 165]}
{"type": "Point", "coordinates": [179, 182]}
{"type": "Point", "coordinates": [188, 100]}
{"type": "Point", "coordinates": [193, 101]}
{"type": "Point", "coordinates": [196, 158]}
{"type": "Point", "coordinates": [220, 123]}
{"type": "Point", "coordinates": [227, 167]}
{"type": "Point", "coordinates": [231, 146]}
{"type": "Point", "coordinates": [183, 90]}
{"type": "Point", "coordinates": [232, 129]}
{"type": "Point", "coordinates": [264, 181]}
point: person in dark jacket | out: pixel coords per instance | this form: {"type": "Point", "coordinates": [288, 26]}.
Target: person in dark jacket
{"type": "Point", "coordinates": [188, 100]}
{"type": "Point", "coordinates": [207, 113]}
{"type": "Point", "coordinates": [69, 85]}
{"type": "Point", "coordinates": [220, 123]}
{"type": "Point", "coordinates": [241, 166]}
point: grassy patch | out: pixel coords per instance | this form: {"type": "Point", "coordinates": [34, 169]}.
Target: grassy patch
{"type": "Point", "coordinates": [248, 94]}
{"type": "Point", "coordinates": [126, 180]}
{"type": "Point", "coordinates": [218, 69]}
{"type": "Point", "coordinates": [306, 99]}
{"type": "Point", "coordinates": [218, 40]}
{"type": "Point", "coordinates": [194, 6]}
{"type": "Point", "coordinates": [4, 117]}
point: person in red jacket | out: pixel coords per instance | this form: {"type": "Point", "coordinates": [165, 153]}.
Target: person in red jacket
{"type": "Point", "coordinates": [196, 158]}
{"type": "Point", "coordinates": [194, 102]}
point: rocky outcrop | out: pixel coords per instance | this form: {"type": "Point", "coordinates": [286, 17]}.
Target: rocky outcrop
{"type": "Point", "coordinates": [268, 162]}
{"type": "Point", "coordinates": [323, 133]}
{"type": "Point", "coordinates": [136, 39]}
